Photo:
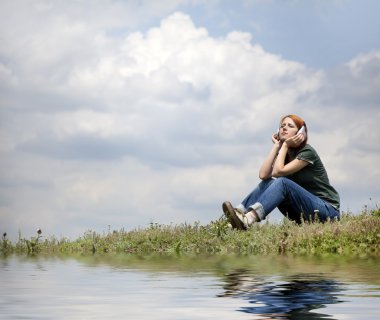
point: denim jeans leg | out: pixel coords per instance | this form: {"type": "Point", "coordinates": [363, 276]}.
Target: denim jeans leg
{"type": "Point", "coordinates": [295, 201]}
{"type": "Point", "coordinates": [252, 197]}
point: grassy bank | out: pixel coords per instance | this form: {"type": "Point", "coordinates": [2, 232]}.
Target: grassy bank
{"type": "Point", "coordinates": [352, 234]}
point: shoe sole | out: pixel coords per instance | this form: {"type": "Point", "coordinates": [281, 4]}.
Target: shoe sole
{"type": "Point", "coordinates": [229, 212]}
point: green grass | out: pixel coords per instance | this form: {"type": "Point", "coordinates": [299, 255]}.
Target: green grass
{"type": "Point", "coordinates": [352, 234]}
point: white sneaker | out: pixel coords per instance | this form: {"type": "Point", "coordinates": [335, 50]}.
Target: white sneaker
{"type": "Point", "coordinates": [236, 217]}
{"type": "Point", "coordinates": [242, 217]}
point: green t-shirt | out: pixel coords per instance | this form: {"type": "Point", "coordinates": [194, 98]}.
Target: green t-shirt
{"type": "Point", "coordinates": [314, 177]}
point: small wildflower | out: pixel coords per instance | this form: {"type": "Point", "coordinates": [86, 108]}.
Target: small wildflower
{"type": "Point", "coordinates": [39, 231]}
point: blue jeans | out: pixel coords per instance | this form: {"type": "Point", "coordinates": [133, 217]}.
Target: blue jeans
{"type": "Point", "coordinates": [292, 200]}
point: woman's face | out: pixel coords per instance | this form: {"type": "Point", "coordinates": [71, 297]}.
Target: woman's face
{"type": "Point", "coordinates": [288, 129]}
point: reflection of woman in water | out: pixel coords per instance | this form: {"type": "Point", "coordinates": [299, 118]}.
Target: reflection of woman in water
{"type": "Point", "coordinates": [293, 179]}
{"type": "Point", "coordinates": [285, 299]}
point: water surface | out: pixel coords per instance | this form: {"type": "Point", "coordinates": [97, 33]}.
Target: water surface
{"type": "Point", "coordinates": [196, 287]}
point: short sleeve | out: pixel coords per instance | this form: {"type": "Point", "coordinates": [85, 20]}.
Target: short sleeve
{"type": "Point", "coordinates": [307, 154]}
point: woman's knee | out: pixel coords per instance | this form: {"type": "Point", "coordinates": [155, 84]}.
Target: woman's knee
{"type": "Point", "coordinates": [282, 182]}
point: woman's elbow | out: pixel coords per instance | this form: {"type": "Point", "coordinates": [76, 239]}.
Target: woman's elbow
{"type": "Point", "coordinates": [276, 173]}
{"type": "Point", "coordinates": [264, 176]}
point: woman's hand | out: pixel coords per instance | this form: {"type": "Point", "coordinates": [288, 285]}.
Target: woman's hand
{"type": "Point", "coordinates": [295, 141]}
{"type": "Point", "coordinates": [276, 140]}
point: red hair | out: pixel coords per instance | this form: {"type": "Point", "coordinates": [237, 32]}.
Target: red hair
{"type": "Point", "coordinates": [299, 122]}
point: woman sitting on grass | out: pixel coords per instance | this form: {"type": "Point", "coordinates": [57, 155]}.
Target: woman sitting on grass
{"type": "Point", "coordinates": [293, 179]}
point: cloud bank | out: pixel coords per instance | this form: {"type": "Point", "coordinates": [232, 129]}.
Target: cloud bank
{"type": "Point", "coordinates": [104, 126]}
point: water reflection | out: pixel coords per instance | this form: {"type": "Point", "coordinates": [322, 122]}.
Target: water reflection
{"type": "Point", "coordinates": [188, 287]}
{"type": "Point", "coordinates": [275, 298]}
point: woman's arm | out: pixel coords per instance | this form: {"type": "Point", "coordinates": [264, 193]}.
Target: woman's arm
{"type": "Point", "coordinates": [265, 171]}
{"type": "Point", "coordinates": [280, 169]}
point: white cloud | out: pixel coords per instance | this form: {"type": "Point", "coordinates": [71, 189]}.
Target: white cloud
{"type": "Point", "coordinates": [160, 125]}
{"type": "Point", "coordinates": [345, 115]}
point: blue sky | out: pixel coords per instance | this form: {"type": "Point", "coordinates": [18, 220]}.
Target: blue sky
{"type": "Point", "coordinates": [317, 33]}
{"type": "Point", "coordinates": [123, 113]}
